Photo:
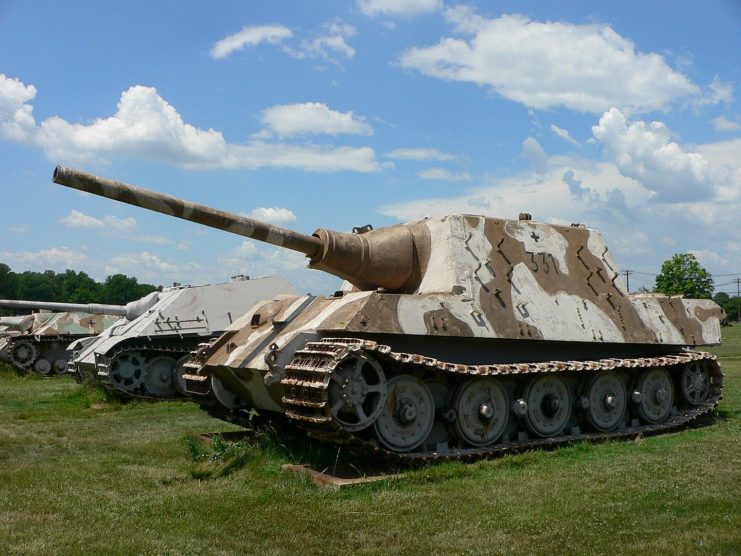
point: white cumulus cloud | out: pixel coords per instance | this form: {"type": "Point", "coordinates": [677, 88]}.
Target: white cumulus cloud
{"type": "Point", "coordinates": [254, 259]}
{"type": "Point", "coordinates": [146, 126]}
{"type": "Point", "coordinates": [645, 152]}
{"type": "Point", "coordinates": [420, 153]}
{"type": "Point", "coordinates": [273, 215]}
{"type": "Point", "coordinates": [329, 44]}
{"type": "Point", "coordinates": [16, 116]}
{"type": "Point", "coordinates": [563, 134]}
{"type": "Point", "coordinates": [444, 174]}
{"type": "Point", "coordinates": [250, 36]}
{"type": "Point", "coordinates": [289, 120]}
{"type": "Point", "coordinates": [53, 258]}
{"type": "Point", "coordinates": [721, 123]}
{"type": "Point", "coordinates": [404, 8]}
{"type": "Point", "coordinates": [535, 154]}
{"type": "Point", "coordinates": [149, 267]}
{"type": "Point", "coordinates": [587, 68]}
{"type": "Point", "coordinates": [109, 224]}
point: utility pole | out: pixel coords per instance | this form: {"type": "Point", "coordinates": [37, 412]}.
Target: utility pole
{"type": "Point", "coordinates": [738, 300]}
{"type": "Point", "coordinates": [627, 278]}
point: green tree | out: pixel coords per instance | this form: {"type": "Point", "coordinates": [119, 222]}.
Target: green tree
{"type": "Point", "coordinates": [729, 304]}
{"type": "Point", "coordinates": [38, 286]}
{"type": "Point", "coordinates": [120, 289]}
{"type": "Point", "coordinates": [683, 275]}
{"type": "Point", "coordinates": [78, 287]}
{"type": "Point", "coordinates": [8, 282]}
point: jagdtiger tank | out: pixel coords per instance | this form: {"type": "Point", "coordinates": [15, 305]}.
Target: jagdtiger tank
{"type": "Point", "coordinates": [142, 355]}
{"type": "Point", "coordinates": [456, 337]}
{"type": "Point", "coordinates": [39, 343]}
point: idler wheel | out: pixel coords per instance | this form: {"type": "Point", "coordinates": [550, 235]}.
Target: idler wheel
{"type": "Point", "coordinates": [549, 404]}
{"type": "Point", "coordinates": [357, 391]}
{"type": "Point", "coordinates": [23, 353]}
{"type": "Point", "coordinates": [128, 370]}
{"type": "Point", "coordinates": [607, 400]}
{"type": "Point", "coordinates": [408, 414]}
{"type": "Point", "coordinates": [159, 376]}
{"type": "Point", "coordinates": [482, 411]}
{"type": "Point", "coordinates": [657, 395]}
{"type": "Point", "coordinates": [695, 382]}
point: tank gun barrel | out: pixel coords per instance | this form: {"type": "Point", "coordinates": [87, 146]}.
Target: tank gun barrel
{"type": "Point", "coordinates": [172, 206]}
{"type": "Point", "coordinates": [387, 258]}
{"type": "Point", "coordinates": [20, 324]}
{"type": "Point", "coordinates": [92, 308]}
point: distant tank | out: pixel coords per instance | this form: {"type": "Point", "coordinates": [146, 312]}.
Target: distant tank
{"type": "Point", "coordinates": [12, 326]}
{"type": "Point", "coordinates": [39, 344]}
{"type": "Point", "coordinates": [457, 337]}
{"type": "Point", "coordinates": [143, 355]}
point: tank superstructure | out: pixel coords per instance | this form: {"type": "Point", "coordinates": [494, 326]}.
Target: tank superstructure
{"type": "Point", "coordinates": [455, 337]}
{"type": "Point", "coordinates": [38, 342]}
{"type": "Point", "coordinates": [143, 355]}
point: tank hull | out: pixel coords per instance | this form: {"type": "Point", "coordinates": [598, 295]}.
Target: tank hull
{"type": "Point", "coordinates": [43, 348]}
{"type": "Point", "coordinates": [142, 357]}
{"type": "Point", "coordinates": [283, 357]}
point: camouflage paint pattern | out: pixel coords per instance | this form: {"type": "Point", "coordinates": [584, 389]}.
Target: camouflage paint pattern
{"type": "Point", "coordinates": [458, 276]}
{"type": "Point", "coordinates": [483, 278]}
{"type": "Point", "coordinates": [75, 323]}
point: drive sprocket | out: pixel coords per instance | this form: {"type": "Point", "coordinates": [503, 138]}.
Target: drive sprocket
{"type": "Point", "coordinates": [23, 353]}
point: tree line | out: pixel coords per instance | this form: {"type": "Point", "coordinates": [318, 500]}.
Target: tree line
{"type": "Point", "coordinates": [69, 287]}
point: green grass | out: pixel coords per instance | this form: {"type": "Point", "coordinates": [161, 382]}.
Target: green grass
{"type": "Point", "coordinates": [80, 474]}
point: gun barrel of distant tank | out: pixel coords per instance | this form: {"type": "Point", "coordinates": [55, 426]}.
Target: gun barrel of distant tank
{"type": "Point", "coordinates": [172, 206]}
{"type": "Point", "coordinates": [92, 308]}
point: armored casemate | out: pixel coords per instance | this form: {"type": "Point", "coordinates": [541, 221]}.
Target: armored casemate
{"type": "Point", "coordinates": [41, 346]}
{"type": "Point", "coordinates": [143, 354]}
{"type": "Point", "coordinates": [459, 337]}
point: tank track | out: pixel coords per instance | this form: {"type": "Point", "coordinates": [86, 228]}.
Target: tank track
{"type": "Point", "coordinates": [37, 340]}
{"type": "Point", "coordinates": [140, 392]}
{"type": "Point", "coordinates": [307, 380]}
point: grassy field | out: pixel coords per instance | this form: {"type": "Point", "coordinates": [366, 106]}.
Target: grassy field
{"type": "Point", "coordinates": [79, 474]}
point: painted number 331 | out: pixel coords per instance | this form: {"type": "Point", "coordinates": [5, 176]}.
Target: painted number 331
{"type": "Point", "coordinates": [539, 262]}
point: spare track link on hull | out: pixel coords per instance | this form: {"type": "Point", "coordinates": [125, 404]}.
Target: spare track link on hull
{"type": "Point", "coordinates": [140, 392]}
{"type": "Point", "coordinates": [307, 381]}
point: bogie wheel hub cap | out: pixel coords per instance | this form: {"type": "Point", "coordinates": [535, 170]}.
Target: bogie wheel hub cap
{"type": "Point", "coordinates": [548, 405]}
{"type": "Point", "coordinates": [608, 398]}
{"type": "Point", "coordinates": [657, 395]}
{"type": "Point", "coordinates": [408, 414]}
{"type": "Point", "coordinates": [481, 410]}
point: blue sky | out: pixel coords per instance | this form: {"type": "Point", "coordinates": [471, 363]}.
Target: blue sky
{"type": "Point", "coordinates": [621, 115]}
